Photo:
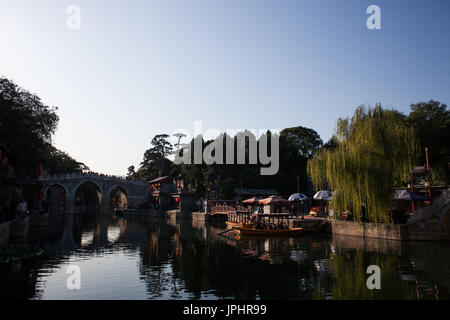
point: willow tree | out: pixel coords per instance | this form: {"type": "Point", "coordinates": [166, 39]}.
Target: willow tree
{"type": "Point", "coordinates": [374, 154]}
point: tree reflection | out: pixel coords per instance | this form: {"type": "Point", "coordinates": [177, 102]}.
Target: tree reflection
{"type": "Point", "coordinates": [178, 261]}
{"type": "Point", "coordinates": [349, 276]}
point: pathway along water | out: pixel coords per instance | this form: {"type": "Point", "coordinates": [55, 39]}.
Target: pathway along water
{"type": "Point", "coordinates": [143, 258]}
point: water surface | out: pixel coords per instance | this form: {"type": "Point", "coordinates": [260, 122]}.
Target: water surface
{"type": "Point", "coordinates": [149, 258]}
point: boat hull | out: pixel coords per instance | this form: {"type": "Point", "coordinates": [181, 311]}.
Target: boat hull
{"type": "Point", "coordinates": [238, 224]}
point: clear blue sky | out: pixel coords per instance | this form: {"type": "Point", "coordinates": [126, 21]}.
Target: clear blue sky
{"type": "Point", "coordinates": [139, 68]}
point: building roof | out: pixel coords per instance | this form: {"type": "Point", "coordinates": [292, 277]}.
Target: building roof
{"type": "Point", "coordinates": [160, 179]}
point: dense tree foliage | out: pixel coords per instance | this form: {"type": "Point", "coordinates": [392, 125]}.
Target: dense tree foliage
{"type": "Point", "coordinates": [131, 171]}
{"type": "Point", "coordinates": [306, 141]}
{"type": "Point", "coordinates": [58, 161]}
{"type": "Point", "coordinates": [375, 152]}
{"type": "Point", "coordinates": [296, 145]}
{"type": "Point", "coordinates": [383, 139]}
{"type": "Point", "coordinates": [368, 155]}
{"type": "Point", "coordinates": [26, 129]}
{"type": "Point", "coordinates": [431, 121]}
{"type": "Point", "coordinates": [155, 160]}
{"type": "Point", "coordinates": [331, 144]}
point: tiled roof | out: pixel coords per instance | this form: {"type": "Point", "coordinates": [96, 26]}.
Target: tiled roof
{"type": "Point", "coordinates": [160, 179]}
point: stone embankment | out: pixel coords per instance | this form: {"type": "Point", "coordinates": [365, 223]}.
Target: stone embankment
{"type": "Point", "coordinates": [427, 223]}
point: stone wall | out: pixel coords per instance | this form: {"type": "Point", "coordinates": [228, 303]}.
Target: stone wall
{"type": "Point", "coordinates": [200, 218]}
{"type": "Point", "coordinates": [431, 222]}
{"type": "Point", "coordinates": [369, 230]}
{"type": "Point", "coordinates": [427, 223]}
{"type": "Point", "coordinates": [176, 216]}
{"type": "Point", "coordinates": [314, 225]}
{"type": "Point", "coordinates": [136, 202]}
{"type": "Point", "coordinates": [186, 201]}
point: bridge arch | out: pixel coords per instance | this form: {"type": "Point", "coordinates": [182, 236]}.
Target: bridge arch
{"type": "Point", "coordinates": [88, 196]}
{"type": "Point", "coordinates": [118, 199]}
{"type": "Point", "coordinates": [91, 181]}
{"type": "Point", "coordinates": [56, 184]}
{"type": "Point", "coordinates": [55, 195]}
{"type": "Point", "coordinates": [117, 186]}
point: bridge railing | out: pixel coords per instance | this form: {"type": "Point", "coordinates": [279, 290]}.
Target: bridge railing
{"type": "Point", "coordinates": [88, 174]}
{"type": "Point", "coordinates": [220, 209]}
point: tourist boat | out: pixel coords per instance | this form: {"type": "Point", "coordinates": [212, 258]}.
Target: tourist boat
{"type": "Point", "coordinates": [231, 224]}
{"type": "Point", "coordinates": [240, 217]}
{"type": "Point", "coordinates": [268, 232]}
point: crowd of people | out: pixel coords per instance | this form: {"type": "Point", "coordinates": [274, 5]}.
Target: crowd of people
{"type": "Point", "coordinates": [262, 224]}
{"type": "Point", "coordinates": [295, 209]}
{"type": "Point", "coordinates": [96, 174]}
{"type": "Point", "coordinates": [18, 210]}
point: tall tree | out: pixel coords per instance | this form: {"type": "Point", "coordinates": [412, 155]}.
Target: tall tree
{"type": "Point", "coordinates": [155, 159]}
{"type": "Point", "coordinates": [331, 144]}
{"type": "Point", "coordinates": [292, 164]}
{"type": "Point", "coordinates": [179, 145]}
{"type": "Point", "coordinates": [131, 171]}
{"type": "Point", "coordinates": [305, 140]}
{"type": "Point", "coordinates": [375, 153]}
{"type": "Point", "coordinates": [58, 161]}
{"type": "Point", "coordinates": [297, 145]}
{"type": "Point", "coordinates": [26, 128]}
{"type": "Point", "coordinates": [161, 146]}
{"type": "Point", "coordinates": [431, 121]}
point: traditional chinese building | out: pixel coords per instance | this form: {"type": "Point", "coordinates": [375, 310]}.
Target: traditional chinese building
{"type": "Point", "coordinates": [242, 194]}
{"type": "Point", "coordinates": [160, 189]}
{"type": "Point", "coordinates": [172, 194]}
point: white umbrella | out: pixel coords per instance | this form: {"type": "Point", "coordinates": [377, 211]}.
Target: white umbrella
{"type": "Point", "coordinates": [408, 195]}
{"type": "Point", "coordinates": [323, 195]}
{"type": "Point", "coordinates": [298, 197]}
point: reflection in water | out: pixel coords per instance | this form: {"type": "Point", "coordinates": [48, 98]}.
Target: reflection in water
{"type": "Point", "coordinates": [148, 258]}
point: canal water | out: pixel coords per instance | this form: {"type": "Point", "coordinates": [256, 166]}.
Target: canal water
{"type": "Point", "coordinates": [150, 258]}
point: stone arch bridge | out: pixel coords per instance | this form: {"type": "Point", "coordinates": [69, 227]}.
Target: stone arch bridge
{"type": "Point", "coordinates": [136, 191]}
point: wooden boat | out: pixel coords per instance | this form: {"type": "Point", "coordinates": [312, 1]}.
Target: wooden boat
{"type": "Point", "coordinates": [268, 232]}
{"type": "Point", "coordinates": [231, 224]}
